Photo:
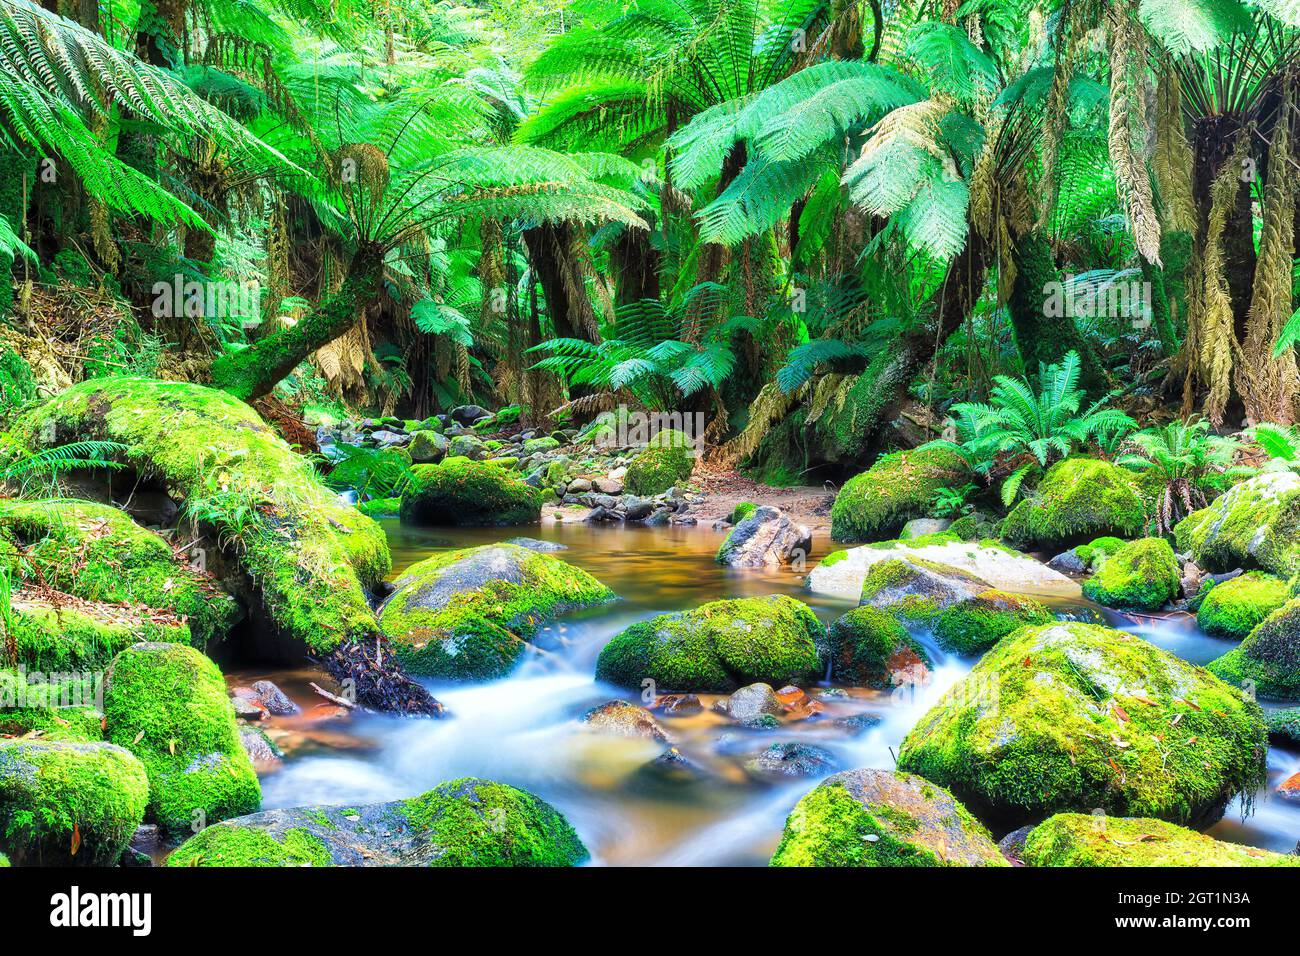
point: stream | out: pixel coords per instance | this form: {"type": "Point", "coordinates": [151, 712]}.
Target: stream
{"type": "Point", "coordinates": [524, 730]}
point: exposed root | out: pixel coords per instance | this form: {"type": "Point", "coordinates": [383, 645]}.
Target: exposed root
{"type": "Point", "coordinates": [376, 680]}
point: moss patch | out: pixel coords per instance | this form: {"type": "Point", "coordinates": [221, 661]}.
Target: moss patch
{"type": "Point", "coordinates": [59, 633]}
{"type": "Point", "coordinates": [1076, 839]}
{"type": "Point", "coordinates": [1141, 576]}
{"type": "Point", "coordinates": [974, 625]}
{"type": "Point", "coordinates": [897, 488]}
{"type": "Point", "coordinates": [667, 459]}
{"type": "Point", "coordinates": [1268, 660]}
{"type": "Point", "coordinates": [1077, 500]}
{"type": "Point", "coordinates": [868, 647]}
{"type": "Point", "coordinates": [460, 492]}
{"type": "Point", "coordinates": [1255, 524]}
{"type": "Point", "coordinates": [1235, 608]}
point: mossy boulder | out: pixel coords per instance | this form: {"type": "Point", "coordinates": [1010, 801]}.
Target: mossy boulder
{"type": "Point", "coordinates": [460, 492]}
{"type": "Point", "coordinates": [1236, 607]}
{"type": "Point", "coordinates": [234, 473]}
{"type": "Point", "coordinates": [68, 803]}
{"type": "Point", "coordinates": [877, 503]}
{"type": "Point", "coordinates": [381, 507]}
{"type": "Point", "coordinates": [719, 647]}
{"type": "Point", "coordinates": [667, 459]}
{"type": "Point", "coordinates": [973, 625]}
{"type": "Point", "coordinates": [427, 447]}
{"type": "Point", "coordinates": [870, 648]}
{"type": "Point", "coordinates": [116, 561]}
{"type": "Point", "coordinates": [1077, 839]}
{"type": "Point", "coordinates": [1255, 524]}
{"type": "Point", "coordinates": [1283, 725]}
{"type": "Point", "coordinates": [1073, 716]}
{"type": "Point", "coordinates": [167, 704]}
{"type": "Point", "coordinates": [466, 822]}
{"type": "Point", "coordinates": [883, 818]}
{"type": "Point", "coordinates": [916, 588]}
{"type": "Point", "coordinates": [1078, 499]}
{"type": "Point", "coordinates": [57, 632]}
{"type": "Point", "coordinates": [1141, 576]}
{"type": "Point", "coordinates": [1095, 552]}
{"type": "Point", "coordinates": [467, 614]}
{"type": "Point", "coordinates": [1268, 660]}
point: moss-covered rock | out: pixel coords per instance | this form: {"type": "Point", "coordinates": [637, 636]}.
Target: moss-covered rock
{"type": "Point", "coordinates": [870, 648]}
{"type": "Point", "coordinates": [882, 818]}
{"type": "Point", "coordinates": [167, 704]}
{"type": "Point", "coordinates": [916, 588]}
{"type": "Point", "coordinates": [380, 507]}
{"type": "Point", "coordinates": [466, 822]}
{"type": "Point", "coordinates": [1075, 716]}
{"type": "Point", "coordinates": [461, 492]}
{"type": "Point", "coordinates": [466, 615]}
{"type": "Point", "coordinates": [1095, 552]}
{"type": "Point", "coordinates": [236, 475]}
{"type": "Point", "coordinates": [1077, 500]}
{"type": "Point", "coordinates": [97, 552]}
{"type": "Point", "coordinates": [1235, 608]}
{"type": "Point", "coordinates": [898, 487]}
{"type": "Point", "coordinates": [66, 803]}
{"type": "Point", "coordinates": [1077, 839]}
{"type": "Point", "coordinates": [1283, 725]}
{"type": "Point", "coordinates": [1255, 524]}
{"type": "Point", "coordinates": [1268, 660]}
{"type": "Point", "coordinates": [54, 632]}
{"type": "Point", "coordinates": [1141, 576]}
{"type": "Point", "coordinates": [973, 625]}
{"type": "Point", "coordinates": [719, 646]}
{"type": "Point", "coordinates": [667, 459]}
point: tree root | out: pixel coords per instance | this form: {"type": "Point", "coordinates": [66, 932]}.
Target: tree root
{"type": "Point", "coordinates": [371, 675]}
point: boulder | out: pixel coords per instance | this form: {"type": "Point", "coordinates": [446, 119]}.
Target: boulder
{"type": "Point", "coordinates": [469, 414]}
{"type": "Point", "coordinates": [1073, 716]}
{"type": "Point", "coordinates": [459, 492]}
{"type": "Point", "coordinates": [973, 625]}
{"type": "Point", "coordinates": [466, 822]}
{"type": "Point", "coordinates": [467, 614]}
{"type": "Point", "coordinates": [719, 646]}
{"type": "Point", "coordinates": [467, 446]}
{"type": "Point", "coordinates": [917, 589]}
{"type": "Point", "coordinates": [167, 704]}
{"type": "Point", "coordinates": [68, 803]}
{"type": "Point", "coordinates": [1235, 608]}
{"type": "Point", "coordinates": [1267, 662]}
{"type": "Point", "coordinates": [428, 447]}
{"type": "Point", "coordinates": [1077, 839]}
{"type": "Point", "coordinates": [877, 503]}
{"type": "Point", "coordinates": [277, 701]}
{"type": "Point", "coordinates": [870, 648]}
{"type": "Point", "coordinates": [923, 527]}
{"type": "Point", "coordinates": [1255, 524]}
{"type": "Point", "coordinates": [261, 751]}
{"type": "Point", "coordinates": [1141, 576]}
{"type": "Point", "coordinates": [1078, 499]}
{"type": "Point", "coordinates": [793, 760]}
{"type": "Point", "coordinates": [752, 704]}
{"type": "Point", "coordinates": [1283, 725]}
{"type": "Point", "coordinates": [766, 538]}
{"type": "Point", "coordinates": [537, 544]}
{"type": "Point", "coordinates": [667, 459]}
{"type": "Point", "coordinates": [883, 818]}
{"type": "Point", "coordinates": [618, 718]}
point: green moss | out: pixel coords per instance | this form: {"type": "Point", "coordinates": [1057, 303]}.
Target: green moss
{"type": "Point", "coordinates": [1078, 499]}
{"type": "Point", "coordinates": [1268, 660]}
{"type": "Point", "coordinates": [868, 646]}
{"type": "Point", "coordinates": [244, 846]}
{"type": "Point", "coordinates": [967, 528]}
{"type": "Point", "coordinates": [835, 557]}
{"type": "Point", "coordinates": [1075, 716]}
{"type": "Point", "coordinates": [974, 625]}
{"type": "Point", "coordinates": [718, 647]}
{"type": "Point", "coordinates": [167, 704]}
{"type": "Point", "coordinates": [1141, 576]}
{"type": "Point", "coordinates": [535, 445]}
{"type": "Point", "coordinates": [213, 451]}
{"type": "Point", "coordinates": [116, 561]}
{"type": "Point", "coordinates": [874, 818]}
{"type": "Point", "coordinates": [897, 488]}
{"type": "Point", "coordinates": [68, 803]}
{"type": "Point", "coordinates": [1234, 608]}
{"type": "Point", "coordinates": [1076, 839]}
{"type": "Point", "coordinates": [1096, 551]}
{"type": "Point", "coordinates": [916, 589]}
{"type": "Point", "coordinates": [466, 614]}
{"type": "Point", "coordinates": [381, 507]}
{"type": "Point", "coordinates": [1255, 524]}
{"type": "Point", "coordinates": [742, 511]}
{"type": "Point", "coordinates": [58, 706]}
{"type": "Point", "coordinates": [460, 492]}
{"type": "Point", "coordinates": [80, 634]}
{"type": "Point", "coordinates": [667, 459]}
{"type": "Point", "coordinates": [1284, 724]}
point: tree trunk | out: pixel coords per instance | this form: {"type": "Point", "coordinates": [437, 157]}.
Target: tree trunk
{"type": "Point", "coordinates": [253, 372]}
{"type": "Point", "coordinates": [562, 280]}
{"type": "Point", "coordinates": [636, 266]}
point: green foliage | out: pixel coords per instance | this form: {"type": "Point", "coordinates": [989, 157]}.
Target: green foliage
{"type": "Point", "coordinates": [1182, 456]}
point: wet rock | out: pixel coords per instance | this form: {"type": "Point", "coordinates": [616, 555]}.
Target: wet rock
{"type": "Point", "coordinates": [428, 447]}
{"type": "Point", "coordinates": [620, 719]}
{"type": "Point", "coordinates": [145, 843]}
{"type": "Point", "coordinates": [1068, 562]}
{"type": "Point", "coordinates": [678, 705]}
{"type": "Point", "coordinates": [1289, 789]}
{"type": "Point", "coordinates": [798, 705]}
{"type": "Point", "coordinates": [750, 703]}
{"type": "Point", "coordinates": [1013, 844]}
{"type": "Point", "coordinates": [248, 705]}
{"type": "Point", "coordinates": [537, 544]}
{"type": "Point", "coordinates": [259, 747]}
{"type": "Point", "coordinates": [324, 713]}
{"type": "Point", "coordinates": [274, 699]}
{"type": "Point", "coordinates": [636, 509]}
{"type": "Point", "coordinates": [767, 538]}
{"type": "Point", "coordinates": [793, 760]}
{"type": "Point", "coordinates": [919, 527]}
{"type": "Point", "coordinates": [469, 414]}
{"type": "Point", "coordinates": [870, 648]}
{"type": "Point", "coordinates": [858, 724]}
{"type": "Point", "coordinates": [1087, 839]}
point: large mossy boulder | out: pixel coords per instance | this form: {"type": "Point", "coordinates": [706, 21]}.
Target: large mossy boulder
{"type": "Point", "coordinates": [467, 615]}
{"type": "Point", "coordinates": [719, 647]}
{"type": "Point", "coordinates": [459, 492]}
{"type": "Point", "coordinates": [1078, 499]}
{"type": "Point", "coordinates": [877, 503]}
{"type": "Point", "coordinates": [98, 553]}
{"type": "Point", "coordinates": [1141, 576]}
{"type": "Point", "coordinates": [973, 625]}
{"type": "Point", "coordinates": [68, 803]}
{"type": "Point", "coordinates": [870, 648]}
{"type": "Point", "coordinates": [916, 588]}
{"type": "Point", "coordinates": [235, 474]}
{"type": "Point", "coordinates": [466, 822]}
{"type": "Point", "coordinates": [1073, 716]}
{"type": "Point", "coordinates": [1267, 662]}
{"type": "Point", "coordinates": [1255, 524]}
{"type": "Point", "coordinates": [883, 818]}
{"type": "Point", "coordinates": [667, 459]}
{"type": "Point", "coordinates": [1236, 607]}
{"type": "Point", "coordinates": [55, 632]}
{"type": "Point", "coordinates": [1077, 839]}
{"type": "Point", "coordinates": [167, 704]}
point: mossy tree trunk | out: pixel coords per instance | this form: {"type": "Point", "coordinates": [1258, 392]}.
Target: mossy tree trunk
{"type": "Point", "coordinates": [252, 372]}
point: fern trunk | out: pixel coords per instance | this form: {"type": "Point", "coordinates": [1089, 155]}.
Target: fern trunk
{"type": "Point", "coordinates": [252, 372]}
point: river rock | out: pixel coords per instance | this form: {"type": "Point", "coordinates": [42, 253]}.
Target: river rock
{"type": "Point", "coordinates": [459, 492]}
{"type": "Point", "coordinates": [1068, 562]}
{"type": "Point", "coordinates": [428, 447]}
{"type": "Point", "coordinates": [1141, 576]}
{"type": "Point", "coordinates": [466, 822]}
{"type": "Point", "coordinates": [920, 527]}
{"type": "Point", "coordinates": [1078, 499]}
{"type": "Point", "coordinates": [608, 486]}
{"type": "Point", "coordinates": [916, 588]}
{"type": "Point", "coordinates": [1079, 839]}
{"type": "Point", "coordinates": [618, 718]}
{"type": "Point", "coordinates": [870, 648]}
{"type": "Point", "coordinates": [883, 818]}
{"type": "Point", "coordinates": [469, 414]}
{"type": "Point", "coordinates": [275, 700]}
{"type": "Point", "coordinates": [259, 748]}
{"type": "Point", "coordinates": [1236, 607]}
{"type": "Point", "coordinates": [766, 538]}
{"type": "Point", "coordinates": [537, 544]}
{"type": "Point", "coordinates": [749, 705]}
{"type": "Point", "coordinates": [793, 760]}
{"type": "Point", "coordinates": [1255, 524]}
{"type": "Point", "coordinates": [897, 488]}
{"type": "Point", "coordinates": [1267, 662]}
{"type": "Point", "coordinates": [678, 705]}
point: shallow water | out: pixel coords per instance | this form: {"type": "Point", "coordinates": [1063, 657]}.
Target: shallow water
{"type": "Point", "coordinates": [524, 730]}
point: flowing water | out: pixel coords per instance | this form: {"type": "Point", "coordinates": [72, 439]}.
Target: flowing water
{"type": "Point", "coordinates": [525, 729]}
